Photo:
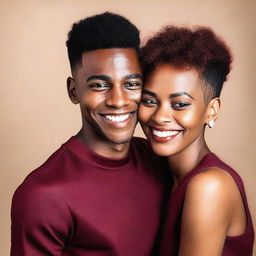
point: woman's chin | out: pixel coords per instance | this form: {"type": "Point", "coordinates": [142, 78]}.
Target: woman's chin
{"type": "Point", "coordinates": [162, 150]}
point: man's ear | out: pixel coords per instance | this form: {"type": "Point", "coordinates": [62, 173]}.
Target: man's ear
{"type": "Point", "coordinates": [72, 90]}
{"type": "Point", "coordinates": [213, 111]}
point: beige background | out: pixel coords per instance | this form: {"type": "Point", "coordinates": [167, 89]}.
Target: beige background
{"type": "Point", "coordinates": [36, 115]}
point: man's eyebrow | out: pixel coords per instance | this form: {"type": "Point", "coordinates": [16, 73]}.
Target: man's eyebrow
{"type": "Point", "coordinates": [149, 93]}
{"type": "Point", "coordinates": [173, 95]}
{"type": "Point", "coordinates": [133, 76]}
{"type": "Point", "coordinates": [98, 77]}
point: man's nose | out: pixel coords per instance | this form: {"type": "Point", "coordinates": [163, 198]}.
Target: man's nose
{"type": "Point", "coordinates": [117, 97]}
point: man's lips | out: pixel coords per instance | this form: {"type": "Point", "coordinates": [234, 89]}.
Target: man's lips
{"type": "Point", "coordinates": [163, 135]}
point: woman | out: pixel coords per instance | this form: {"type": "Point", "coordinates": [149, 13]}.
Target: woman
{"type": "Point", "coordinates": [208, 212]}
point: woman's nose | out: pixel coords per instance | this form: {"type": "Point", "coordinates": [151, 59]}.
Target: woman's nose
{"type": "Point", "coordinates": [162, 115]}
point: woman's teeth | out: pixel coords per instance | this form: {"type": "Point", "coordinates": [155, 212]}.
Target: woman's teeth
{"type": "Point", "coordinates": [164, 133]}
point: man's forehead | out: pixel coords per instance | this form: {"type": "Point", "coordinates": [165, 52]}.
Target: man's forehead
{"type": "Point", "coordinates": [105, 54]}
{"type": "Point", "coordinates": [102, 61]}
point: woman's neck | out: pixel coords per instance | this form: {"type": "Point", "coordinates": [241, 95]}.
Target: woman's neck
{"type": "Point", "coordinates": [185, 161]}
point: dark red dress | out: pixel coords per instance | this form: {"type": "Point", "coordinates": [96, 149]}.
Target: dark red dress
{"type": "Point", "coordinates": [233, 246]}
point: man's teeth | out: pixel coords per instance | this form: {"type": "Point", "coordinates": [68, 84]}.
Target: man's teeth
{"type": "Point", "coordinates": [164, 133]}
{"type": "Point", "coordinates": [117, 118]}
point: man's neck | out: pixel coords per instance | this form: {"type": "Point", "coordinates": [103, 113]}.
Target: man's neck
{"type": "Point", "coordinates": [103, 147]}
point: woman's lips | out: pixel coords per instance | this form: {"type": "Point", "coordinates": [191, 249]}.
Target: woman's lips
{"type": "Point", "coordinates": [163, 135]}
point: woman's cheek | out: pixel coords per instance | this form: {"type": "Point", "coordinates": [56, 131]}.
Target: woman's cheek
{"type": "Point", "coordinates": [190, 119]}
{"type": "Point", "coordinates": [187, 119]}
{"type": "Point", "coordinates": [141, 113]}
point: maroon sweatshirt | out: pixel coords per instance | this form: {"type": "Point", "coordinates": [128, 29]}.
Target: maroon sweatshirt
{"type": "Point", "coordinates": [79, 203]}
{"type": "Point", "coordinates": [241, 245]}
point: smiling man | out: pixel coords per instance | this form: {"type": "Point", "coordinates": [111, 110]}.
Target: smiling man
{"type": "Point", "coordinates": [101, 192]}
{"type": "Point", "coordinates": [108, 91]}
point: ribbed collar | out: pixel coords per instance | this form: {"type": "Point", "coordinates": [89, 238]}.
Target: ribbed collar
{"type": "Point", "coordinates": [77, 147]}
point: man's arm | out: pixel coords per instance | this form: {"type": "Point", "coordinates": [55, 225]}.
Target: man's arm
{"type": "Point", "coordinates": [41, 222]}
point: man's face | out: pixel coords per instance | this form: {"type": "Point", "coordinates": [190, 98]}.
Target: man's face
{"type": "Point", "coordinates": [107, 85]}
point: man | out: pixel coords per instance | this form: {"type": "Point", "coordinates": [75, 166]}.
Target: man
{"type": "Point", "coordinates": [101, 192]}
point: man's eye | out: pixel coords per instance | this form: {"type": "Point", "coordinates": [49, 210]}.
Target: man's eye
{"type": "Point", "coordinates": [149, 102]}
{"type": "Point", "coordinates": [180, 105]}
{"type": "Point", "coordinates": [133, 85]}
{"type": "Point", "coordinates": [99, 86]}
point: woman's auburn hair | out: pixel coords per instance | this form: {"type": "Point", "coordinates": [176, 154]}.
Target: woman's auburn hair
{"type": "Point", "coordinates": [185, 47]}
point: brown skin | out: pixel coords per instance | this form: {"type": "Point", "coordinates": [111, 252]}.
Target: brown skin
{"type": "Point", "coordinates": [107, 84]}
{"type": "Point", "coordinates": [173, 101]}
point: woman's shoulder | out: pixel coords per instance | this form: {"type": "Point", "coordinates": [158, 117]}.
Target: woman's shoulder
{"type": "Point", "coordinates": [213, 194]}
{"type": "Point", "coordinates": [214, 172]}
{"type": "Point", "coordinates": [213, 182]}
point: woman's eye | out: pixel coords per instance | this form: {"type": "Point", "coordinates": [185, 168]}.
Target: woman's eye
{"type": "Point", "coordinates": [180, 105]}
{"type": "Point", "coordinates": [99, 86]}
{"type": "Point", "coordinates": [149, 102]}
{"type": "Point", "coordinates": [133, 85]}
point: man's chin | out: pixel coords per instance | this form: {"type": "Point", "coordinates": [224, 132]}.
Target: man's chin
{"type": "Point", "coordinates": [119, 141]}
{"type": "Point", "coordinates": [117, 137]}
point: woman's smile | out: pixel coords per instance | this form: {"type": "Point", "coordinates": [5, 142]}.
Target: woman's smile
{"type": "Point", "coordinates": [163, 135]}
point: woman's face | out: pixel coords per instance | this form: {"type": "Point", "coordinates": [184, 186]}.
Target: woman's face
{"type": "Point", "coordinates": [172, 111]}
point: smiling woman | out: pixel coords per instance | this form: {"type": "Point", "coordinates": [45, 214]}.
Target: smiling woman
{"type": "Point", "coordinates": [173, 107]}
{"type": "Point", "coordinates": [184, 73]}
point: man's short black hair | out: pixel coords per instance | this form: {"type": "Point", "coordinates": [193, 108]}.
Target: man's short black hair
{"type": "Point", "coordinates": [102, 31]}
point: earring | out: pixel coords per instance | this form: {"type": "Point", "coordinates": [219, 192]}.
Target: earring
{"type": "Point", "coordinates": [211, 123]}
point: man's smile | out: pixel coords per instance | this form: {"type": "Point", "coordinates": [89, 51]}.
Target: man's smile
{"type": "Point", "coordinates": [119, 120]}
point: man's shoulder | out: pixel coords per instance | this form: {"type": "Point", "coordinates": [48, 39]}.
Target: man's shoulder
{"type": "Point", "coordinates": [142, 147]}
{"type": "Point", "coordinates": [49, 170]}
{"type": "Point", "coordinates": [141, 144]}
{"type": "Point", "coordinates": [143, 150]}
{"type": "Point", "coordinates": [154, 164]}
{"type": "Point", "coordinates": [49, 164]}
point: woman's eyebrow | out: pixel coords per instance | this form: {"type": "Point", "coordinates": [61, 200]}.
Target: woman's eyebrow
{"type": "Point", "coordinates": [99, 77]}
{"type": "Point", "coordinates": [177, 94]}
{"type": "Point", "coordinates": [173, 95]}
{"type": "Point", "coordinates": [149, 93]}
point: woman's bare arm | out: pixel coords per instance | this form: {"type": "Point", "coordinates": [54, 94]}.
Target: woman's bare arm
{"type": "Point", "coordinates": [210, 202]}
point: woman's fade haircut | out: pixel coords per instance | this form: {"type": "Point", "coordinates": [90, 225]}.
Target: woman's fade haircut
{"type": "Point", "coordinates": [198, 48]}
{"type": "Point", "coordinates": [102, 31]}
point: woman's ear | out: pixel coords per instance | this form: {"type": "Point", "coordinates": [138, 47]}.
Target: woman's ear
{"type": "Point", "coordinates": [72, 90]}
{"type": "Point", "coordinates": [213, 112]}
